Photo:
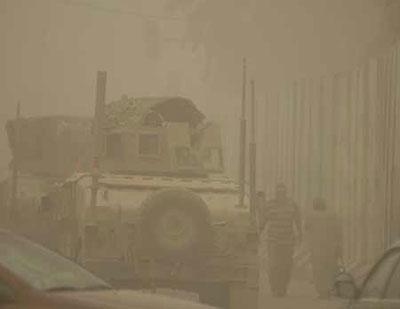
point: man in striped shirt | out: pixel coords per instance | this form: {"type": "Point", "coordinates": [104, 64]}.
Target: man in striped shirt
{"type": "Point", "coordinates": [282, 218]}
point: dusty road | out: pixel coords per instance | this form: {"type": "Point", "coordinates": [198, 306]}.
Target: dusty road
{"type": "Point", "coordinates": [301, 294]}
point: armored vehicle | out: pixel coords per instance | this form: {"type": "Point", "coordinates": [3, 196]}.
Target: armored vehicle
{"type": "Point", "coordinates": [138, 196]}
{"type": "Point", "coordinates": [157, 211]}
{"type": "Point", "coordinates": [51, 145]}
{"type": "Point", "coordinates": [45, 151]}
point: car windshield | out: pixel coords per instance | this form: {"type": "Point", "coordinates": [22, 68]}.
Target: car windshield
{"type": "Point", "coordinates": [43, 269]}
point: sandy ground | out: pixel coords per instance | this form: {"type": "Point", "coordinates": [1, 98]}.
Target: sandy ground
{"type": "Point", "coordinates": [301, 293]}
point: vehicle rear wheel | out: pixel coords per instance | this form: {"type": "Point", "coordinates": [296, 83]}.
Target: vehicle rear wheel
{"type": "Point", "coordinates": [175, 223]}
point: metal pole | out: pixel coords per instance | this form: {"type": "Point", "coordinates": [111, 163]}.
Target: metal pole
{"type": "Point", "coordinates": [321, 132]}
{"type": "Point", "coordinates": [15, 166]}
{"type": "Point", "coordinates": [242, 142]}
{"type": "Point", "coordinates": [252, 151]}
{"type": "Point", "coordinates": [98, 134]}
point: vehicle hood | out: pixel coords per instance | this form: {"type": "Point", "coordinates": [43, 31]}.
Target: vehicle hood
{"type": "Point", "coordinates": [122, 299]}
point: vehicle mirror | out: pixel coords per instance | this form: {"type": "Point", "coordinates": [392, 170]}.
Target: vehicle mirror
{"type": "Point", "coordinates": [345, 286]}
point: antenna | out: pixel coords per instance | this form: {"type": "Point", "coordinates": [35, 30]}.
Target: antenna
{"type": "Point", "coordinates": [252, 152]}
{"type": "Point", "coordinates": [98, 134]}
{"type": "Point", "coordinates": [242, 141]}
{"type": "Point", "coordinates": [15, 164]}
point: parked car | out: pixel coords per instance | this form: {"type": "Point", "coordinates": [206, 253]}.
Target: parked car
{"type": "Point", "coordinates": [381, 287]}
{"type": "Point", "coordinates": [34, 277]}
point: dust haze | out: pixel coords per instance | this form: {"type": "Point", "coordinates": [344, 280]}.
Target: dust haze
{"type": "Point", "coordinates": [50, 49]}
{"type": "Point", "coordinates": [152, 101]}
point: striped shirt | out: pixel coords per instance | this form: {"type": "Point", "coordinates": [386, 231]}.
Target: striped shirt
{"type": "Point", "coordinates": [280, 218]}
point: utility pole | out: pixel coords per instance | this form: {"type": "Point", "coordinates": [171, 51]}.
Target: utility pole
{"type": "Point", "coordinates": [15, 165]}
{"type": "Point", "coordinates": [252, 152]}
{"type": "Point", "coordinates": [242, 142]}
{"type": "Point", "coordinates": [98, 134]}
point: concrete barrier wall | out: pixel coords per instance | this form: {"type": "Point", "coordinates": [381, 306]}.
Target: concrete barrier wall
{"type": "Point", "coordinates": [337, 137]}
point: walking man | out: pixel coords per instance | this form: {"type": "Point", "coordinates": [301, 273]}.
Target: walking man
{"type": "Point", "coordinates": [324, 241]}
{"type": "Point", "coordinates": [282, 218]}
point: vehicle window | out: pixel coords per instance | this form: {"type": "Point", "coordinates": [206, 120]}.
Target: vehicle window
{"type": "Point", "coordinates": [393, 289]}
{"type": "Point", "coordinates": [43, 269]}
{"type": "Point", "coordinates": [375, 285]}
{"type": "Point", "coordinates": [149, 144]}
{"type": "Point", "coordinates": [114, 146]}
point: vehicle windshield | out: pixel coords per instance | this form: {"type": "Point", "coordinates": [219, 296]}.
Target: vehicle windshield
{"type": "Point", "coordinates": [186, 158]}
{"type": "Point", "coordinates": [43, 269]}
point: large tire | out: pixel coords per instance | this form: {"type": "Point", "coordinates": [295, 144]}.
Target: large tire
{"type": "Point", "coordinates": [175, 223]}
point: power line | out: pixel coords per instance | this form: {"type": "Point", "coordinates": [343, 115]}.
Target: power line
{"type": "Point", "coordinates": [119, 11]}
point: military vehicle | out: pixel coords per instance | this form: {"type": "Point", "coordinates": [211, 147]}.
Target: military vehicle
{"type": "Point", "coordinates": [158, 211]}
{"type": "Point", "coordinates": [45, 151]}
{"type": "Point", "coordinates": [155, 209]}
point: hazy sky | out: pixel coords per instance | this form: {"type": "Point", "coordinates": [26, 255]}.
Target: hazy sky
{"type": "Point", "coordinates": [50, 50]}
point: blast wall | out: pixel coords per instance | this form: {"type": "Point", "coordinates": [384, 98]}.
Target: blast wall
{"type": "Point", "coordinates": [337, 137]}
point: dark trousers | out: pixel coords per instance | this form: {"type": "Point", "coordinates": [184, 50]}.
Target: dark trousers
{"type": "Point", "coordinates": [325, 269]}
{"type": "Point", "coordinates": [280, 263]}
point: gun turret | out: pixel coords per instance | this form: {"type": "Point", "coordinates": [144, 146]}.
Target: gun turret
{"type": "Point", "coordinates": [166, 135]}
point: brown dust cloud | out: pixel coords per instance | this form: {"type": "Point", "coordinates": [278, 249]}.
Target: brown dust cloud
{"type": "Point", "coordinates": [176, 193]}
{"type": "Point", "coordinates": [50, 50]}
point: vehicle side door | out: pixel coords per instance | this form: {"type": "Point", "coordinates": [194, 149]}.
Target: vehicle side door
{"type": "Point", "coordinates": [374, 288]}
